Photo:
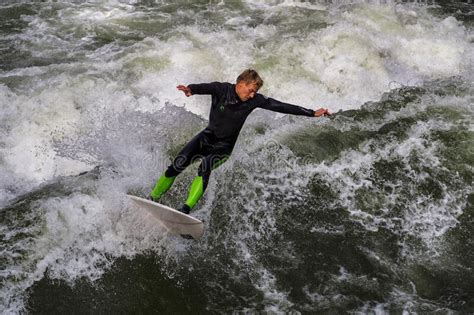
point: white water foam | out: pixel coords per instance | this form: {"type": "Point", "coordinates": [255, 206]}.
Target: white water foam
{"type": "Point", "coordinates": [366, 46]}
{"type": "Point", "coordinates": [369, 46]}
{"type": "Point", "coordinates": [425, 218]}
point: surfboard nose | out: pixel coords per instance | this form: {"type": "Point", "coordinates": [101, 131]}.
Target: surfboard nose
{"type": "Point", "coordinates": [174, 221]}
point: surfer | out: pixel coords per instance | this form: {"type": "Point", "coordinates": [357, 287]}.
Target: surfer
{"type": "Point", "coordinates": [231, 104]}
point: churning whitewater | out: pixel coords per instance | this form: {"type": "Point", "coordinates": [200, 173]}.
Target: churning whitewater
{"type": "Point", "coordinates": [368, 211]}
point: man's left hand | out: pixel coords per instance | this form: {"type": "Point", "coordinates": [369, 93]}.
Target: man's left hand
{"type": "Point", "coordinates": [321, 112]}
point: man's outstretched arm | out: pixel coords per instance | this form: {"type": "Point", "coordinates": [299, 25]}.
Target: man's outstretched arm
{"type": "Point", "coordinates": [285, 108]}
{"type": "Point", "coordinates": [200, 89]}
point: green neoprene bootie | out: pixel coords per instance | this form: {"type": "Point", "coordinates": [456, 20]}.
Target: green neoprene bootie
{"type": "Point", "coordinates": [196, 192]}
{"type": "Point", "coordinates": [162, 185]}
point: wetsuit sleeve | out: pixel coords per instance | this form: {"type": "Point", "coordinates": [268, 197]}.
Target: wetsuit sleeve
{"type": "Point", "coordinates": [277, 106]}
{"type": "Point", "coordinates": [204, 88]}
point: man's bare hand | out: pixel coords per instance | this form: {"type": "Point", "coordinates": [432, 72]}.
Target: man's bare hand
{"type": "Point", "coordinates": [187, 91]}
{"type": "Point", "coordinates": [321, 112]}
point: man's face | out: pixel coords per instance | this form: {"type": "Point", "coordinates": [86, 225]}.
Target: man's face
{"type": "Point", "coordinates": [246, 91]}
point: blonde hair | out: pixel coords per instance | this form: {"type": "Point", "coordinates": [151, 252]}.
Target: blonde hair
{"type": "Point", "coordinates": [250, 76]}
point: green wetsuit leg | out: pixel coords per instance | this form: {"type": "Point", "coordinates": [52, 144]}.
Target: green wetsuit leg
{"type": "Point", "coordinates": [162, 185]}
{"type": "Point", "coordinates": [200, 182]}
{"type": "Point", "coordinates": [184, 158]}
{"type": "Point", "coordinates": [196, 192]}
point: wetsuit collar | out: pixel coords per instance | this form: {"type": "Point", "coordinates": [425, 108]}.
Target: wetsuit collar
{"type": "Point", "coordinates": [235, 96]}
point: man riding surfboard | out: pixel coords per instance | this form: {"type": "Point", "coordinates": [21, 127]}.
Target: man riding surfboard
{"type": "Point", "coordinates": [231, 104]}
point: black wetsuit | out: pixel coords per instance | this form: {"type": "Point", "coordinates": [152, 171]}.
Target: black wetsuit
{"type": "Point", "coordinates": [228, 114]}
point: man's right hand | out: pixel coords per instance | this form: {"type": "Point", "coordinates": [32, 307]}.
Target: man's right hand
{"type": "Point", "coordinates": [322, 112]}
{"type": "Point", "coordinates": [187, 91]}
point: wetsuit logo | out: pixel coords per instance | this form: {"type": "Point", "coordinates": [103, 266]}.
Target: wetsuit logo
{"type": "Point", "coordinates": [221, 107]}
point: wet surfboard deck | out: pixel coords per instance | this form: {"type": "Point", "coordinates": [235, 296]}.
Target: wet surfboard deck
{"type": "Point", "coordinates": [173, 220]}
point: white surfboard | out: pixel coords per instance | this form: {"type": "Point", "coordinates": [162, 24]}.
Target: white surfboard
{"type": "Point", "coordinates": [173, 220]}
